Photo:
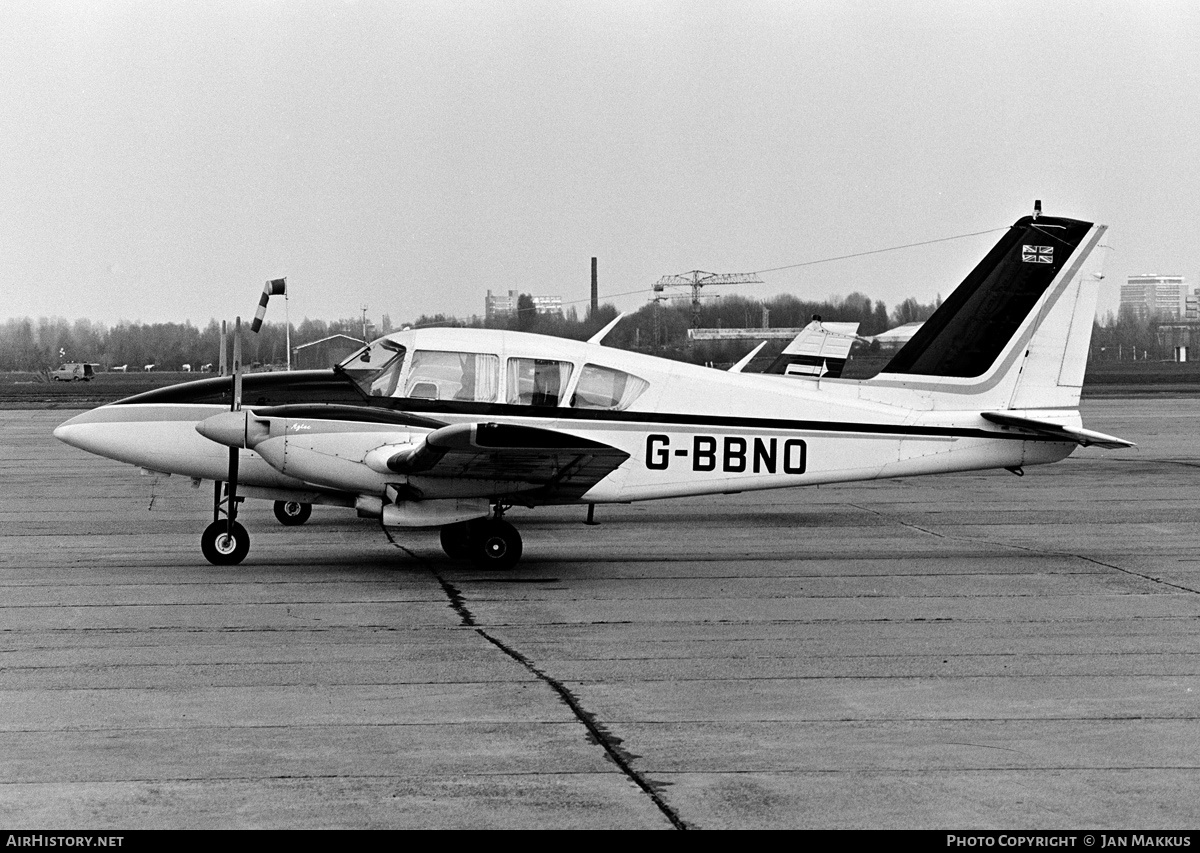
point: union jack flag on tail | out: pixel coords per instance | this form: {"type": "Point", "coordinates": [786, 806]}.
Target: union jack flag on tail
{"type": "Point", "coordinates": [1037, 254]}
{"type": "Point", "coordinates": [275, 287]}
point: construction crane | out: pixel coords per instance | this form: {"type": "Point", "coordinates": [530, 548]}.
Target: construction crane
{"type": "Point", "coordinates": [697, 279]}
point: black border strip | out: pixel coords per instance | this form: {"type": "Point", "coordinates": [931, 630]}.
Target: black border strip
{"type": "Point", "coordinates": [426, 413]}
{"type": "Point", "coordinates": [499, 410]}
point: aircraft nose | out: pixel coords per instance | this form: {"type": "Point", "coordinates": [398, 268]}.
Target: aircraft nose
{"type": "Point", "coordinates": [154, 437]}
{"type": "Point", "coordinates": [82, 430]}
{"type": "Point", "coordinates": [64, 431]}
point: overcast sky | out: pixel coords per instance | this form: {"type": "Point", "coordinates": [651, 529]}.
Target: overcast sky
{"type": "Point", "coordinates": [160, 160]}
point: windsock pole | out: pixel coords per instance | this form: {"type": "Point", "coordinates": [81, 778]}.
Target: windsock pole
{"type": "Point", "coordinates": [287, 328]}
{"type": "Point", "coordinates": [274, 287]}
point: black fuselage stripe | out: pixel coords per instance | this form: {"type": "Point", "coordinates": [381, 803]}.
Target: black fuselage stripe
{"type": "Point", "coordinates": [313, 391]}
{"type": "Point", "coordinates": [725, 421]}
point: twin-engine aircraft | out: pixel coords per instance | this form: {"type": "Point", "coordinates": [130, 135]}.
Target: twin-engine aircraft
{"type": "Point", "coordinates": [449, 428]}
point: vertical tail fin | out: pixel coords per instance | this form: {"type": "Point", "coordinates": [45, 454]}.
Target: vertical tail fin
{"type": "Point", "coordinates": [1015, 333]}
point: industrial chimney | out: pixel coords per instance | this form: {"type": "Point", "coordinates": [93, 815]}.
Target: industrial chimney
{"type": "Point", "coordinates": [595, 290]}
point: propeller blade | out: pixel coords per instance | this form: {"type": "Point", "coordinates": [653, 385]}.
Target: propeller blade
{"type": "Point", "coordinates": [235, 406]}
{"type": "Point", "coordinates": [237, 366]}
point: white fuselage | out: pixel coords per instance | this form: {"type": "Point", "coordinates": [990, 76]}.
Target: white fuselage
{"type": "Point", "coordinates": [690, 431]}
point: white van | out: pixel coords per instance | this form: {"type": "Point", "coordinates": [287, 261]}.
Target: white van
{"type": "Point", "coordinates": [71, 372]}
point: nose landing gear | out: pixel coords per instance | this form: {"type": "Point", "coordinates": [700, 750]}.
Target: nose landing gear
{"type": "Point", "coordinates": [225, 543]}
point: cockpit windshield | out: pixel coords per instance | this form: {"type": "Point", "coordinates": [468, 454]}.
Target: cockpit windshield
{"type": "Point", "coordinates": [375, 368]}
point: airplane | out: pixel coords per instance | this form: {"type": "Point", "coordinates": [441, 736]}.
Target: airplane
{"type": "Point", "coordinates": [449, 428]}
{"type": "Point", "coordinates": [819, 350]}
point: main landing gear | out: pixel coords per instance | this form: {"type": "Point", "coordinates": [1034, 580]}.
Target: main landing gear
{"type": "Point", "coordinates": [490, 543]}
{"type": "Point", "coordinates": [292, 513]}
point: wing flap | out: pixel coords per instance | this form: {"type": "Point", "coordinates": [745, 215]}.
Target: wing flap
{"type": "Point", "coordinates": [553, 460]}
{"type": "Point", "coordinates": [1079, 435]}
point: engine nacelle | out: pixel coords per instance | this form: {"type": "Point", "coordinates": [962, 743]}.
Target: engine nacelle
{"type": "Point", "coordinates": [434, 513]}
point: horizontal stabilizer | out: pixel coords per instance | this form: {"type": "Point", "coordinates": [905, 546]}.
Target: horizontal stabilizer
{"type": "Point", "coordinates": [1079, 435]}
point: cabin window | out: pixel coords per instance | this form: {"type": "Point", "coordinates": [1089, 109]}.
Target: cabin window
{"type": "Point", "coordinates": [537, 381]}
{"type": "Point", "coordinates": [605, 388]}
{"type": "Point", "coordinates": [463, 376]}
{"type": "Point", "coordinates": [376, 368]}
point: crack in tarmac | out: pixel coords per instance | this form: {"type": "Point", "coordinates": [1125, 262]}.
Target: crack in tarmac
{"type": "Point", "coordinates": [597, 733]}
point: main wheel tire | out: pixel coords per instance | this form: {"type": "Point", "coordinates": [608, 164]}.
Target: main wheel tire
{"type": "Point", "coordinates": [456, 540]}
{"type": "Point", "coordinates": [495, 544]}
{"type": "Point", "coordinates": [222, 549]}
{"type": "Point", "coordinates": [291, 513]}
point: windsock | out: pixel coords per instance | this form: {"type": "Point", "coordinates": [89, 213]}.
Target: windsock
{"type": "Point", "coordinates": [272, 288]}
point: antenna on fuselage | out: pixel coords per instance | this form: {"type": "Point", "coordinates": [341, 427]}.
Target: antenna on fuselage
{"type": "Point", "coordinates": [599, 336]}
{"type": "Point", "coordinates": [746, 359]}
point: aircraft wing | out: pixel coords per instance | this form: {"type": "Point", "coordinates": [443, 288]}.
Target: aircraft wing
{"type": "Point", "coordinates": [1085, 437]}
{"type": "Point", "coordinates": [563, 464]}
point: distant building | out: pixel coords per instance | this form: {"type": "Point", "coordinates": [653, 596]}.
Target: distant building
{"type": "Point", "coordinates": [324, 353]}
{"type": "Point", "coordinates": [505, 306]}
{"type": "Point", "coordinates": [1176, 338]}
{"type": "Point", "coordinates": [1192, 303]}
{"type": "Point", "coordinates": [548, 304]}
{"type": "Point", "coordinates": [749, 334]}
{"type": "Point", "coordinates": [1165, 296]}
{"type": "Point", "coordinates": [499, 306]}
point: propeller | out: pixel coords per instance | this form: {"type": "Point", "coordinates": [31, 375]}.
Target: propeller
{"type": "Point", "coordinates": [227, 542]}
{"type": "Point", "coordinates": [235, 406]}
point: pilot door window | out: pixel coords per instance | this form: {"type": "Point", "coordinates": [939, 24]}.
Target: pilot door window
{"type": "Point", "coordinates": [537, 381]}
{"type": "Point", "coordinates": [605, 388]}
{"type": "Point", "coordinates": [463, 376]}
{"type": "Point", "coordinates": [376, 369]}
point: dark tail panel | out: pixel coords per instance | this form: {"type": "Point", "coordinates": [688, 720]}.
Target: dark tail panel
{"type": "Point", "coordinates": [971, 328]}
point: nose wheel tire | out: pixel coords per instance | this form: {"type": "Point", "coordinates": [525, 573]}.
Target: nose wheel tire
{"type": "Point", "coordinates": [291, 513]}
{"type": "Point", "coordinates": [220, 547]}
{"type": "Point", "coordinates": [495, 544]}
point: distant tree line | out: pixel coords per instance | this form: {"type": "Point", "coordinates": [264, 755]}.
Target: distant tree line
{"type": "Point", "coordinates": [657, 327]}
{"type": "Point", "coordinates": [1126, 336]}
{"type": "Point", "coordinates": [661, 328]}
{"type": "Point", "coordinates": [29, 345]}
